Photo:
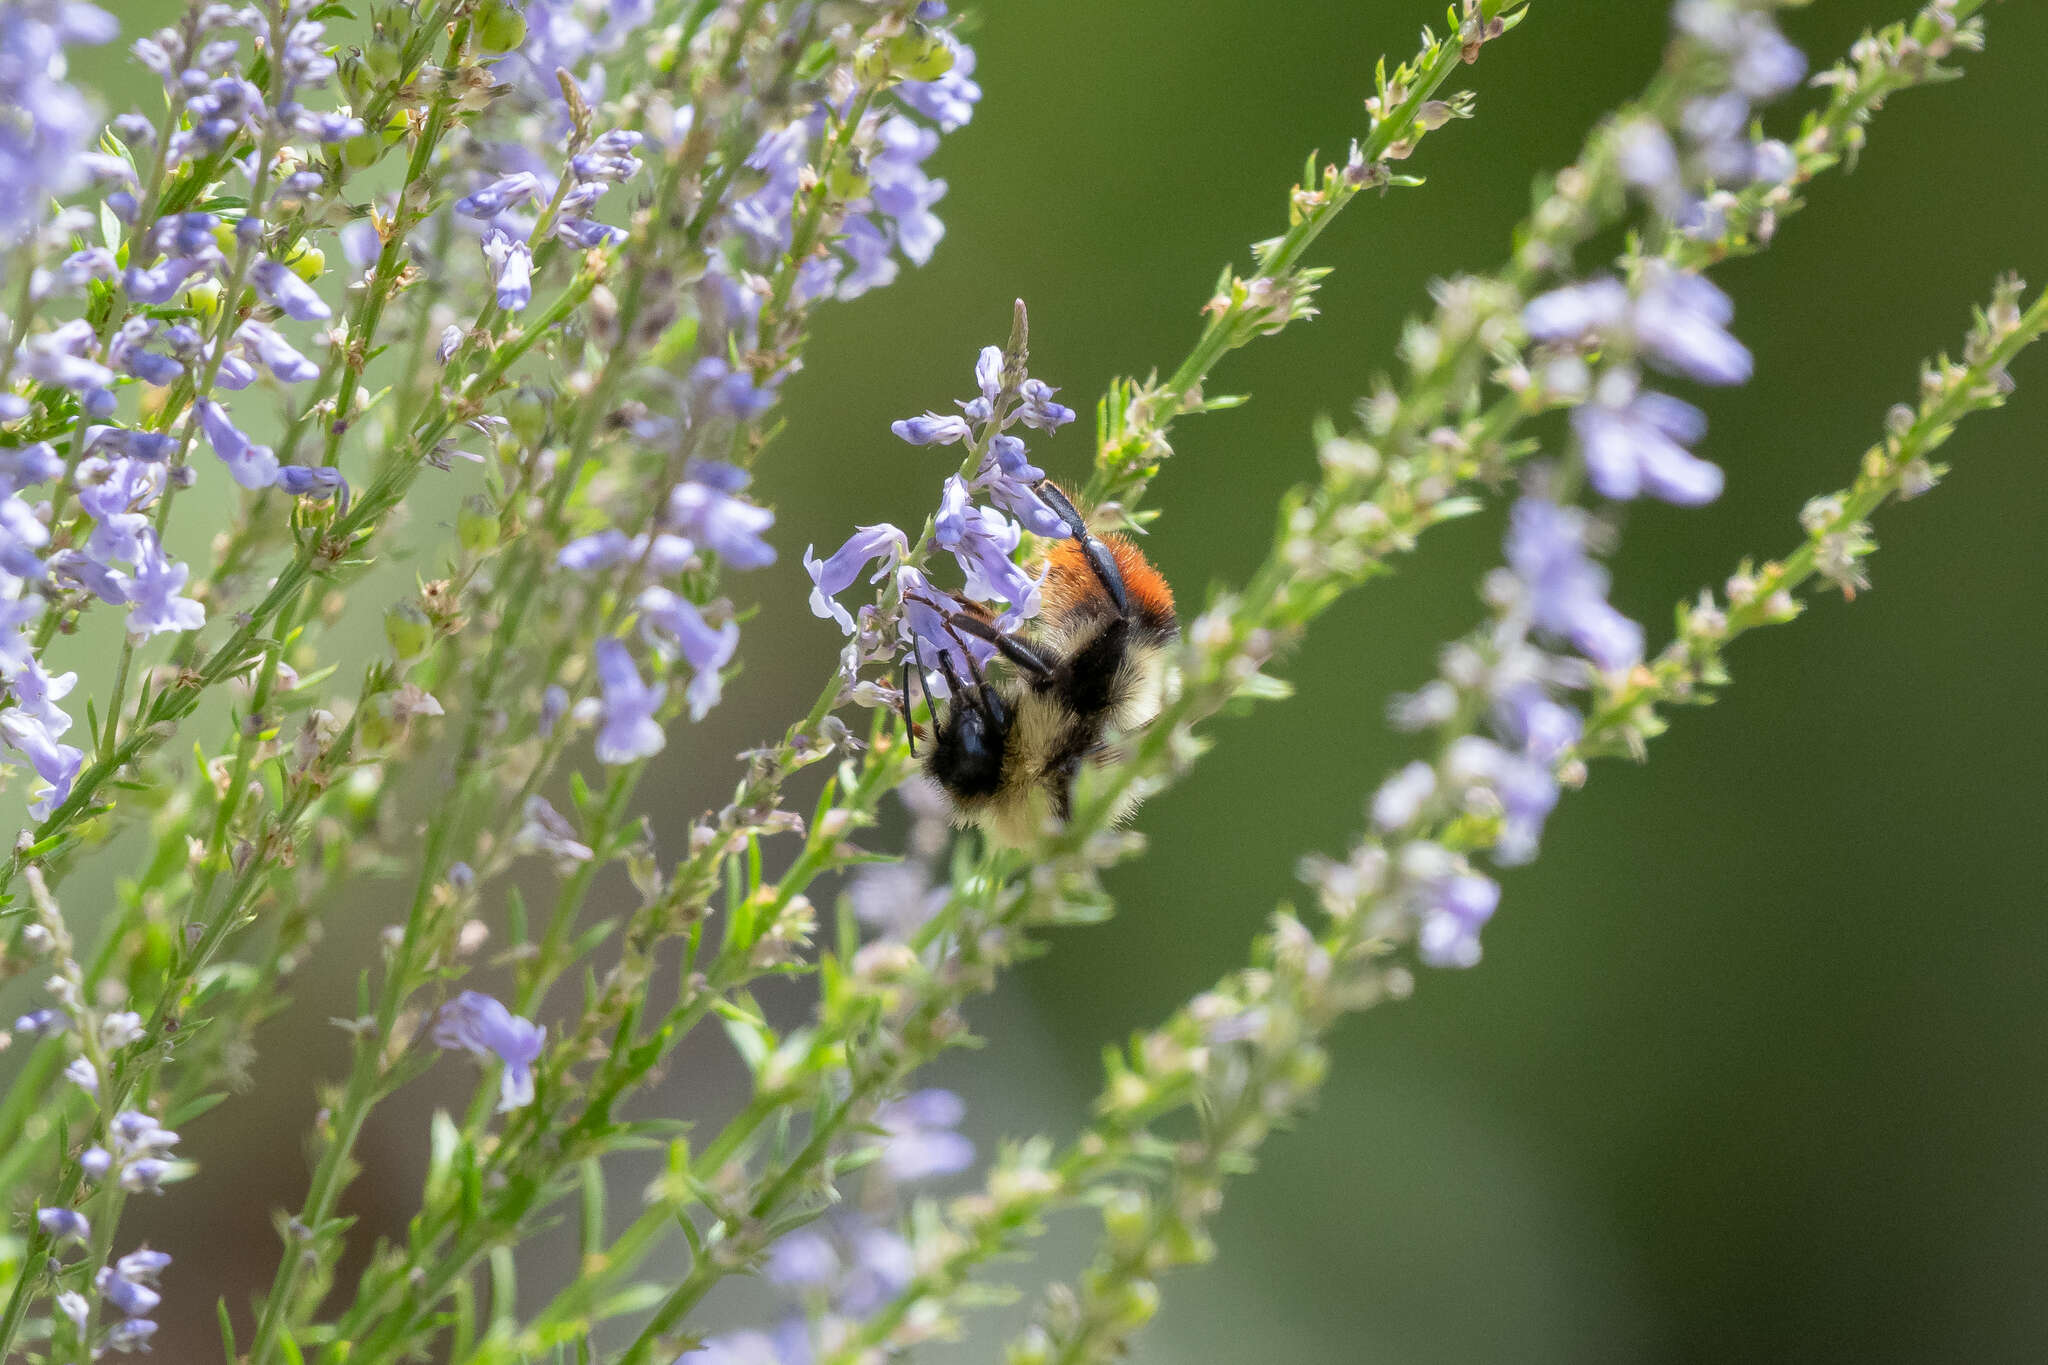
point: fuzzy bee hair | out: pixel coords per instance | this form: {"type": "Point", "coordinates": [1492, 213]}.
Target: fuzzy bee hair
{"type": "Point", "coordinates": [1090, 667]}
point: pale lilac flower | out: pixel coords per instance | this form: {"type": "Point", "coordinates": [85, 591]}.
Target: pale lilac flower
{"type": "Point", "coordinates": [266, 345]}
{"type": "Point", "coordinates": [933, 429]}
{"type": "Point", "coordinates": [290, 294]}
{"type": "Point", "coordinates": [315, 482]}
{"type": "Point", "coordinates": [1681, 322]}
{"type": "Point", "coordinates": [57, 764]}
{"type": "Point", "coordinates": [131, 1335]}
{"type": "Point", "coordinates": [630, 730]}
{"type": "Point", "coordinates": [546, 831]}
{"type": "Point", "coordinates": [501, 194]}
{"type": "Point", "coordinates": [733, 392]}
{"type": "Point", "coordinates": [1635, 443]}
{"type": "Point", "coordinates": [1455, 908]}
{"type": "Point", "coordinates": [123, 1295]}
{"type": "Point", "coordinates": [1400, 798]}
{"type": "Point", "coordinates": [153, 592]}
{"type": "Point", "coordinates": [64, 1225]}
{"type": "Point", "coordinates": [74, 1307]}
{"type": "Point", "coordinates": [483, 1027]}
{"type": "Point", "coordinates": [703, 507]}
{"type": "Point", "coordinates": [673, 624]}
{"type": "Point", "coordinates": [919, 1141]}
{"type": "Point", "coordinates": [250, 465]}
{"type": "Point", "coordinates": [983, 540]}
{"type": "Point", "coordinates": [511, 265]}
{"type": "Point", "coordinates": [1039, 410]}
{"type": "Point", "coordinates": [736, 1348]}
{"type": "Point", "coordinates": [50, 125]}
{"type": "Point", "coordinates": [1565, 591]}
{"type": "Point", "coordinates": [833, 576]}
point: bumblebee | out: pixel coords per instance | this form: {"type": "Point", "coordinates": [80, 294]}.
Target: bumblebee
{"type": "Point", "coordinates": [1091, 666]}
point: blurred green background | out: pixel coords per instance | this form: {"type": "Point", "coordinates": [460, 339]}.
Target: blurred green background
{"type": "Point", "coordinates": [1756, 1067]}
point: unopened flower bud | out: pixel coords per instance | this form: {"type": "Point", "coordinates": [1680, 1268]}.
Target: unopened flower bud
{"type": "Point", "coordinates": [408, 630]}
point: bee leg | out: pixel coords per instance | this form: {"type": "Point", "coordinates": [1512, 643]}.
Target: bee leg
{"type": "Point", "coordinates": [1011, 648]}
{"type": "Point", "coordinates": [961, 696]}
{"type": "Point", "coordinates": [1092, 549]}
{"type": "Point", "coordinates": [909, 725]}
{"type": "Point", "coordinates": [990, 702]}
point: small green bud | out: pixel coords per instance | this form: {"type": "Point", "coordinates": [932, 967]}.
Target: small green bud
{"type": "Point", "coordinates": [920, 54]}
{"type": "Point", "coordinates": [204, 297]}
{"type": "Point", "coordinates": [476, 525]}
{"type": "Point", "coordinates": [527, 415]}
{"type": "Point", "coordinates": [408, 630]}
{"type": "Point", "coordinates": [380, 59]}
{"type": "Point", "coordinates": [307, 262]}
{"type": "Point", "coordinates": [375, 728]}
{"type": "Point", "coordinates": [499, 27]}
{"type": "Point", "coordinates": [1125, 1218]}
{"type": "Point", "coordinates": [1137, 1305]}
{"type": "Point", "coordinates": [1033, 1348]}
{"type": "Point", "coordinates": [846, 180]}
{"type": "Point", "coordinates": [871, 64]}
{"type": "Point", "coordinates": [359, 793]}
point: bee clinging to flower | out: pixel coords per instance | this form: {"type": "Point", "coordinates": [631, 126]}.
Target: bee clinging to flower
{"type": "Point", "coordinates": [1006, 751]}
{"type": "Point", "coordinates": [1023, 698]}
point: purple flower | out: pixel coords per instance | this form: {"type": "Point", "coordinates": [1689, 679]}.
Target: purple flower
{"type": "Point", "coordinates": [867, 247]}
{"type": "Point", "coordinates": [672, 623]}
{"type": "Point", "coordinates": [1039, 410]}
{"type": "Point", "coordinates": [250, 465]}
{"type": "Point", "coordinates": [143, 1265]}
{"type": "Point", "coordinates": [1681, 322]}
{"type": "Point", "coordinates": [1634, 443]}
{"type": "Point", "coordinates": [265, 344]}
{"type": "Point", "coordinates": [630, 729]}
{"type": "Point", "coordinates": [1577, 311]}
{"type": "Point", "coordinates": [899, 188]}
{"type": "Point", "coordinates": [919, 1140]}
{"type": "Point", "coordinates": [1565, 592]}
{"type": "Point", "coordinates": [511, 265]}
{"type": "Point", "coordinates": [125, 1296]}
{"type": "Point", "coordinates": [1455, 908]}
{"type": "Point", "coordinates": [59, 357]}
{"type": "Point", "coordinates": [50, 127]}
{"type": "Point", "coordinates": [1527, 717]}
{"type": "Point", "coordinates": [22, 536]}
{"type": "Point", "coordinates": [948, 101]}
{"type": "Point", "coordinates": [153, 591]}
{"type": "Point", "coordinates": [57, 764]}
{"type": "Point", "coordinates": [732, 392]}
{"type": "Point", "coordinates": [982, 540]}
{"type": "Point", "coordinates": [131, 1335]}
{"type": "Point", "coordinates": [546, 831]}
{"type": "Point", "coordinates": [501, 194]}
{"type": "Point", "coordinates": [64, 1225]}
{"type": "Point", "coordinates": [833, 576]}
{"type": "Point", "coordinates": [482, 1027]}
{"type": "Point", "coordinates": [288, 293]}
{"type": "Point", "coordinates": [1400, 798]}
{"type": "Point", "coordinates": [932, 429]}
{"type": "Point", "coordinates": [727, 526]}
{"type": "Point", "coordinates": [1524, 789]}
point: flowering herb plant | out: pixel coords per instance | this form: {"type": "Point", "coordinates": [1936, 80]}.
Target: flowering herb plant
{"type": "Point", "coordinates": [556, 264]}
